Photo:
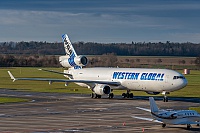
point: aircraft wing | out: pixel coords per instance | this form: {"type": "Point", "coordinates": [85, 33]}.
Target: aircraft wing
{"type": "Point", "coordinates": [187, 122]}
{"type": "Point", "coordinates": [146, 119]}
{"type": "Point", "coordinates": [66, 81]}
{"type": "Point", "coordinates": [52, 71]}
{"type": "Point", "coordinates": [148, 110]}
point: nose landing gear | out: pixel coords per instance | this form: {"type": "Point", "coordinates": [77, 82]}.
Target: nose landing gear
{"type": "Point", "coordinates": [165, 99]}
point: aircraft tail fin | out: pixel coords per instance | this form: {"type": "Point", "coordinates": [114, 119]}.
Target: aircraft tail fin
{"type": "Point", "coordinates": [153, 106]}
{"type": "Point", "coordinates": [69, 49]}
{"type": "Point", "coordinates": [71, 59]}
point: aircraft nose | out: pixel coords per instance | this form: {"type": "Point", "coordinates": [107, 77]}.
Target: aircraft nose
{"type": "Point", "coordinates": [184, 83]}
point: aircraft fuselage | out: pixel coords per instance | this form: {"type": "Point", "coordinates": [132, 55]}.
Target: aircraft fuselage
{"type": "Point", "coordinates": [139, 79]}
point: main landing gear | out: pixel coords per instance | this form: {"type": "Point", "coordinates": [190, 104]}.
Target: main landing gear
{"type": "Point", "coordinates": [163, 125]}
{"type": "Point", "coordinates": [110, 96]}
{"type": "Point", "coordinates": [127, 94]}
{"type": "Point", "coordinates": [188, 126]}
{"type": "Point", "coordinates": [165, 99]}
{"type": "Point", "coordinates": [94, 95]}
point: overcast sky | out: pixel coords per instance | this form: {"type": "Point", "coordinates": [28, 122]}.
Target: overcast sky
{"type": "Point", "coordinates": [100, 20]}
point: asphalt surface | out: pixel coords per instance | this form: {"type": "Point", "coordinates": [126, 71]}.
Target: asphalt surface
{"type": "Point", "coordinates": [55, 112]}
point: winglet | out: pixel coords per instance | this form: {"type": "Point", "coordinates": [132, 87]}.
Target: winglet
{"type": "Point", "coordinates": [11, 76]}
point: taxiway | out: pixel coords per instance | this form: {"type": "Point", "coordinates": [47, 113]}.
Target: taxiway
{"type": "Point", "coordinates": [54, 112]}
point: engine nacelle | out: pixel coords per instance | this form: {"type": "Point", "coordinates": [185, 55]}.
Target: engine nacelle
{"type": "Point", "coordinates": [101, 89]}
{"type": "Point", "coordinates": [73, 61]}
{"type": "Point", "coordinates": [81, 60]}
{"type": "Point", "coordinates": [152, 93]}
{"type": "Point", "coordinates": [170, 115]}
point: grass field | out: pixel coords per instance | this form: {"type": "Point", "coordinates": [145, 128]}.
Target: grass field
{"type": "Point", "coordinates": [191, 90]}
{"type": "Point", "coordinates": [12, 100]}
{"type": "Point", "coordinates": [195, 108]}
{"type": "Point", "coordinates": [36, 86]}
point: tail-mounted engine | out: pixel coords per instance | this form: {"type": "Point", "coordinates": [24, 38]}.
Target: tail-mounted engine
{"type": "Point", "coordinates": [168, 115]}
{"type": "Point", "coordinates": [101, 89]}
{"type": "Point", "coordinates": [66, 61]}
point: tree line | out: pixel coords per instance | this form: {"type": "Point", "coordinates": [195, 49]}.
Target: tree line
{"type": "Point", "coordinates": [28, 61]}
{"type": "Point", "coordinates": [106, 60]}
{"type": "Point", "coordinates": [92, 48]}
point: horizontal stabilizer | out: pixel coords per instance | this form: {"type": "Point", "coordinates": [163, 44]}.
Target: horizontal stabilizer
{"type": "Point", "coordinates": [148, 110]}
{"type": "Point", "coordinates": [146, 119]}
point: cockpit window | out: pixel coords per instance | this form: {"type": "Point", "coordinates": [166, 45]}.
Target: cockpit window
{"type": "Point", "coordinates": [178, 77]}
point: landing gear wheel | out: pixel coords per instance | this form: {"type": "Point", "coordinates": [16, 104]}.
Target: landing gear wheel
{"type": "Point", "coordinates": [163, 125]}
{"type": "Point", "coordinates": [127, 94]}
{"type": "Point", "coordinates": [124, 95]}
{"type": "Point", "coordinates": [92, 95]}
{"type": "Point", "coordinates": [110, 96]}
{"type": "Point", "coordinates": [165, 99]}
{"type": "Point", "coordinates": [188, 126]}
{"type": "Point", "coordinates": [131, 95]}
{"type": "Point", "coordinates": [97, 96]}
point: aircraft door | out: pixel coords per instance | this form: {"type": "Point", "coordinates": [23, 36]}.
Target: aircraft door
{"type": "Point", "coordinates": [166, 78]}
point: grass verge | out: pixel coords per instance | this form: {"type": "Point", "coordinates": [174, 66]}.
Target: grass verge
{"type": "Point", "coordinates": [195, 108]}
{"type": "Point", "coordinates": [191, 90]}
{"type": "Point", "coordinates": [12, 100]}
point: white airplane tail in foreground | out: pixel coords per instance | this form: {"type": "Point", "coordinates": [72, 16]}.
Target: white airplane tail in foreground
{"type": "Point", "coordinates": [103, 80]}
{"type": "Point", "coordinates": [175, 117]}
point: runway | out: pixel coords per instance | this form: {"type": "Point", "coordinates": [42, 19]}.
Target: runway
{"type": "Point", "coordinates": [54, 112]}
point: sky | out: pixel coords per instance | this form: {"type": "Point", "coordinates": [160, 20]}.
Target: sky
{"type": "Point", "coordinates": [103, 21]}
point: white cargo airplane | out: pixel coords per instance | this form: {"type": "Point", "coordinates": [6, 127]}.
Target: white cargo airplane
{"type": "Point", "coordinates": [175, 117]}
{"type": "Point", "coordinates": [102, 80]}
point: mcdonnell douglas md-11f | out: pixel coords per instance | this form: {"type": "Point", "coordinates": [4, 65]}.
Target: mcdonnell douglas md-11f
{"type": "Point", "coordinates": [103, 80]}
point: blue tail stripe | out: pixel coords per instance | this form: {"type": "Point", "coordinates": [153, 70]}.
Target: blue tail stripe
{"type": "Point", "coordinates": [71, 60]}
{"type": "Point", "coordinates": [63, 37]}
{"type": "Point", "coordinates": [72, 63]}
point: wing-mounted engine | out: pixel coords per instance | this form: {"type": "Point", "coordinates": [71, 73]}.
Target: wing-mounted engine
{"type": "Point", "coordinates": [152, 93]}
{"type": "Point", "coordinates": [102, 89]}
{"type": "Point", "coordinates": [67, 61]}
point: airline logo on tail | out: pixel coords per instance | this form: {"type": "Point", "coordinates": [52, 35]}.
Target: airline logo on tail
{"type": "Point", "coordinates": [71, 60]}
{"type": "Point", "coordinates": [68, 46]}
